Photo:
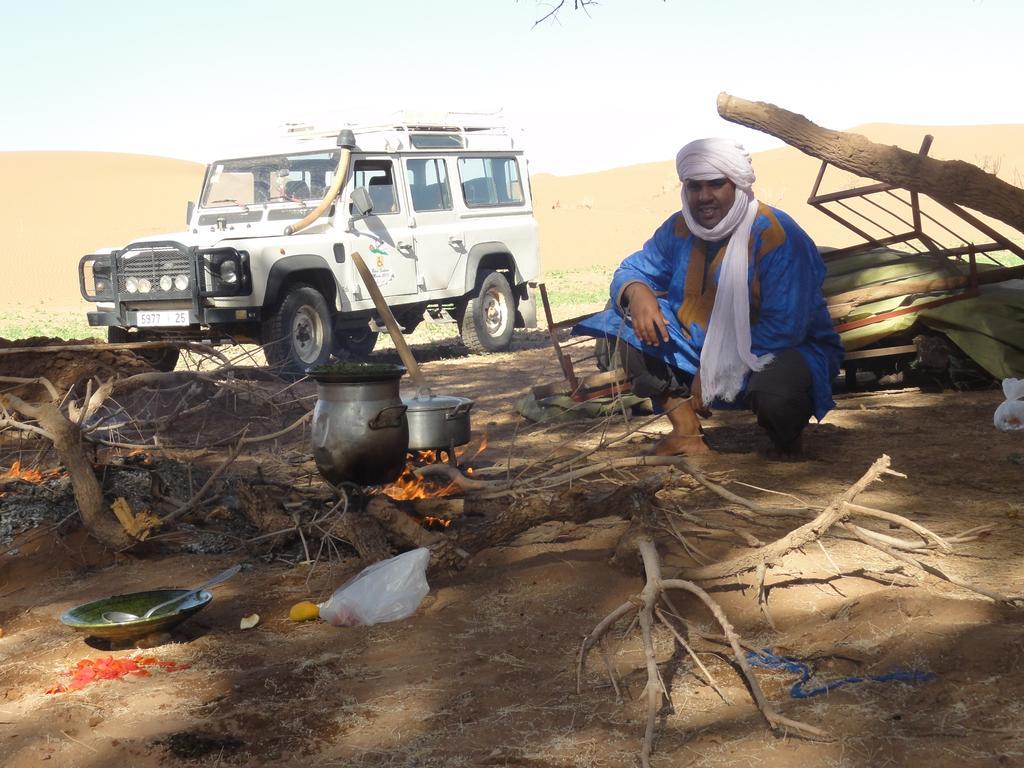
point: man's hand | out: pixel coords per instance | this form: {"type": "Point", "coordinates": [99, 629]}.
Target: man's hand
{"type": "Point", "coordinates": [649, 324]}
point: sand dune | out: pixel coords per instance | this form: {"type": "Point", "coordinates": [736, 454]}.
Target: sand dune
{"type": "Point", "coordinates": [59, 206]}
{"type": "Point", "coordinates": [599, 218]}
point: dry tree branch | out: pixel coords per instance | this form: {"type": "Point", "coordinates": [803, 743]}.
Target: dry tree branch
{"type": "Point", "coordinates": [772, 715]}
{"type": "Point", "coordinates": [772, 554]}
{"type": "Point", "coordinates": [920, 530]}
{"type": "Point", "coordinates": [596, 634]}
{"type": "Point", "coordinates": [170, 517]}
{"type": "Point", "coordinates": [696, 659]}
{"type": "Point", "coordinates": [577, 5]}
{"type": "Point", "coordinates": [35, 380]}
{"type": "Point", "coordinates": [934, 570]}
{"type": "Point", "coordinates": [7, 421]}
{"type": "Point", "coordinates": [453, 475]}
{"type": "Point", "coordinates": [645, 604]}
{"type": "Point", "coordinates": [235, 451]}
{"type": "Point", "coordinates": [728, 495]}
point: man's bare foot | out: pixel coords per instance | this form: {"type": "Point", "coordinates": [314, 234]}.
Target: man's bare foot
{"type": "Point", "coordinates": [686, 438]}
{"type": "Point", "coordinates": [681, 445]}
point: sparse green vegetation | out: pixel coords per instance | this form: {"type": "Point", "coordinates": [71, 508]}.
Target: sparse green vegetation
{"type": "Point", "coordinates": [578, 287]}
{"type": "Point", "coordinates": [27, 323]}
{"type": "Point", "coordinates": [571, 293]}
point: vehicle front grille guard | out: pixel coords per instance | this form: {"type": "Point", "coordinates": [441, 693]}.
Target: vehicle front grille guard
{"type": "Point", "coordinates": [153, 260]}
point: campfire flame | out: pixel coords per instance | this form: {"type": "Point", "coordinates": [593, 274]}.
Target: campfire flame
{"type": "Point", "coordinates": [482, 448]}
{"type": "Point", "coordinates": [31, 476]}
{"type": "Point", "coordinates": [138, 456]}
{"type": "Point", "coordinates": [410, 486]}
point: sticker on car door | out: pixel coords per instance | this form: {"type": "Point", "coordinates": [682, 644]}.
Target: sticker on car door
{"type": "Point", "coordinates": [381, 269]}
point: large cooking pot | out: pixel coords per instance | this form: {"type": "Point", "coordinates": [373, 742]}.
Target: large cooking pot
{"type": "Point", "coordinates": [437, 422]}
{"type": "Point", "coordinates": [360, 432]}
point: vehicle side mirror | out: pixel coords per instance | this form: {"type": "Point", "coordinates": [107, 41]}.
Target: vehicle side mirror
{"type": "Point", "coordinates": [188, 211]}
{"type": "Point", "coordinates": [361, 201]}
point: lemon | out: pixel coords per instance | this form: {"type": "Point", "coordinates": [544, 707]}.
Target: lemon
{"type": "Point", "coordinates": [304, 611]}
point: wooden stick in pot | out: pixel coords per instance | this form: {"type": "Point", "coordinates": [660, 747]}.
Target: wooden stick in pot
{"type": "Point", "coordinates": [389, 321]}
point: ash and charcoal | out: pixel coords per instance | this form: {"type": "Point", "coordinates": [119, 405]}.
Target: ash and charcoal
{"type": "Point", "coordinates": [24, 506]}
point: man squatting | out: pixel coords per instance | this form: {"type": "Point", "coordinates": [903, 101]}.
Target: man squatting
{"type": "Point", "coordinates": [723, 305]}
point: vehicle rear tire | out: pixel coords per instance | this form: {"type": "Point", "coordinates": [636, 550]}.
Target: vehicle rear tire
{"type": "Point", "coordinates": [488, 319]}
{"type": "Point", "coordinates": [355, 344]}
{"type": "Point", "coordinates": [162, 359]}
{"type": "Point", "coordinates": [297, 335]}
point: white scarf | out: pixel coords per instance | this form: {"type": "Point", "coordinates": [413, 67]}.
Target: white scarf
{"type": "Point", "coordinates": [726, 358]}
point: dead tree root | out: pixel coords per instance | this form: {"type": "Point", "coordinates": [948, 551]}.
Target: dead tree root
{"type": "Point", "coordinates": [642, 608]}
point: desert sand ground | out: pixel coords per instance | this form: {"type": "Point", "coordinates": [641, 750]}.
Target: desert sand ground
{"type": "Point", "coordinates": [484, 673]}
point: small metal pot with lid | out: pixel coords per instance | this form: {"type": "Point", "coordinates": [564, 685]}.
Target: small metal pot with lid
{"type": "Point", "coordinates": [437, 422]}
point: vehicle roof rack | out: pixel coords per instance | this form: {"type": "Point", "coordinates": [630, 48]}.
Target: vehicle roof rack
{"type": "Point", "coordinates": [395, 130]}
{"type": "Point", "coordinates": [411, 121]}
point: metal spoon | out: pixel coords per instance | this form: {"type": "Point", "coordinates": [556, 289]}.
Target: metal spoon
{"type": "Point", "coordinates": [119, 617]}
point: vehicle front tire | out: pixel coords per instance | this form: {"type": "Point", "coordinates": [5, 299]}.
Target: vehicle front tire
{"type": "Point", "coordinates": [297, 334]}
{"type": "Point", "coordinates": [488, 318]}
{"type": "Point", "coordinates": [355, 344]}
{"type": "Point", "coordinates": [162, 359]}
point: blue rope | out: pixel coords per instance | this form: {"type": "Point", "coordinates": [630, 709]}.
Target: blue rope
{"type": "Point", "coordinates": [769, 660]}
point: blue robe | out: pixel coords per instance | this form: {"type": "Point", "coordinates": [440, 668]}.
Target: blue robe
{"type": "Point", "coordinates": [788, 309]}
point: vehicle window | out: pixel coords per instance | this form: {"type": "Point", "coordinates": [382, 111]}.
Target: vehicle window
{"type": "Point", "coordinates": [428, 183]}
{"type": "Point", "coordinates": [378, 178]}
{"type": "Point", "coordinates": [436, 141]}
{"type": "Point", "coordinates": [490, 181]}
{"type": "Point", "coordinates": [270, 179]}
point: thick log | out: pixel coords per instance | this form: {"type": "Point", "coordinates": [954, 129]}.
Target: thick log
{"type": "Point", "coordinates": [951, 182]}
{"type": "Point", "coordinates": [495, 523]}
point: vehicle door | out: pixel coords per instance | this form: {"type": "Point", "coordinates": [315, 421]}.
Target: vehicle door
{"type": "Point", "coordinates": [383, 238]}
{"type": "Point", "coordinates": [436, 231]}
{"type": "Point", "coordinates": [495, 203]}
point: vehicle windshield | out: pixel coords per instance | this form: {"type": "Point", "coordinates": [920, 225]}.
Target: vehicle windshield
{"type": "Point", "coordinates": [271, 179]}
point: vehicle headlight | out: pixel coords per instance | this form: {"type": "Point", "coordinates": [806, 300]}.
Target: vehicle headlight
{"type": "Point", "coordinates": [181, 282]}
{"type": "Point", "coordinates": [94, 277]}
{"type": "Point", "coordinates": [166, 283]}
{"type": "Point", "coordinates": [229, 271]}
{"type": "Point", "coordinates": [145, 286]}
{"type": "Point", "coordinates": [131, 285]}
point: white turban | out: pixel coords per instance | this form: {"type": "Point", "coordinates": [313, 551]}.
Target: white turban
{"type": "Point", "coordinates": [726, 358]}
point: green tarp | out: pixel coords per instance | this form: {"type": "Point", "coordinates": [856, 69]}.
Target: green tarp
{"type": "Point", "coordinates": [989, 328]}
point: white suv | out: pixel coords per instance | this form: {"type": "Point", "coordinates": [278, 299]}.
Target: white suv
{"type": "Point", "coordinates": [440, 212]}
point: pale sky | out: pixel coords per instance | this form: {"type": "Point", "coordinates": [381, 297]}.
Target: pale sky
{"type": "Point", "coordinates": [628, 83]}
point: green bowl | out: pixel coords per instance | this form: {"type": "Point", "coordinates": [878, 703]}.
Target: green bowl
{"type": "Point", "coordinates": [89, 620]}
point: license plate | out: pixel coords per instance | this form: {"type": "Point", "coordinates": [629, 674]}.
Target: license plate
{"type": "Point", "coordinates": [162, 318]}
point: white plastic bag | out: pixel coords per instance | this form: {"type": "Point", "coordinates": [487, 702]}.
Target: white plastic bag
{"type": "Point", "coordinates": [1009, 415]}
{"type": "Point", "coordinates": [386, 591]}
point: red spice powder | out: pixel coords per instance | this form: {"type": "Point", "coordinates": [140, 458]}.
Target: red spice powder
{"type": "Point", "coordinates": [89, 671]}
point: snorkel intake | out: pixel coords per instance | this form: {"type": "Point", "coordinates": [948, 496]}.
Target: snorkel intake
{"type": "Point", "coordinates": [347, 142]}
